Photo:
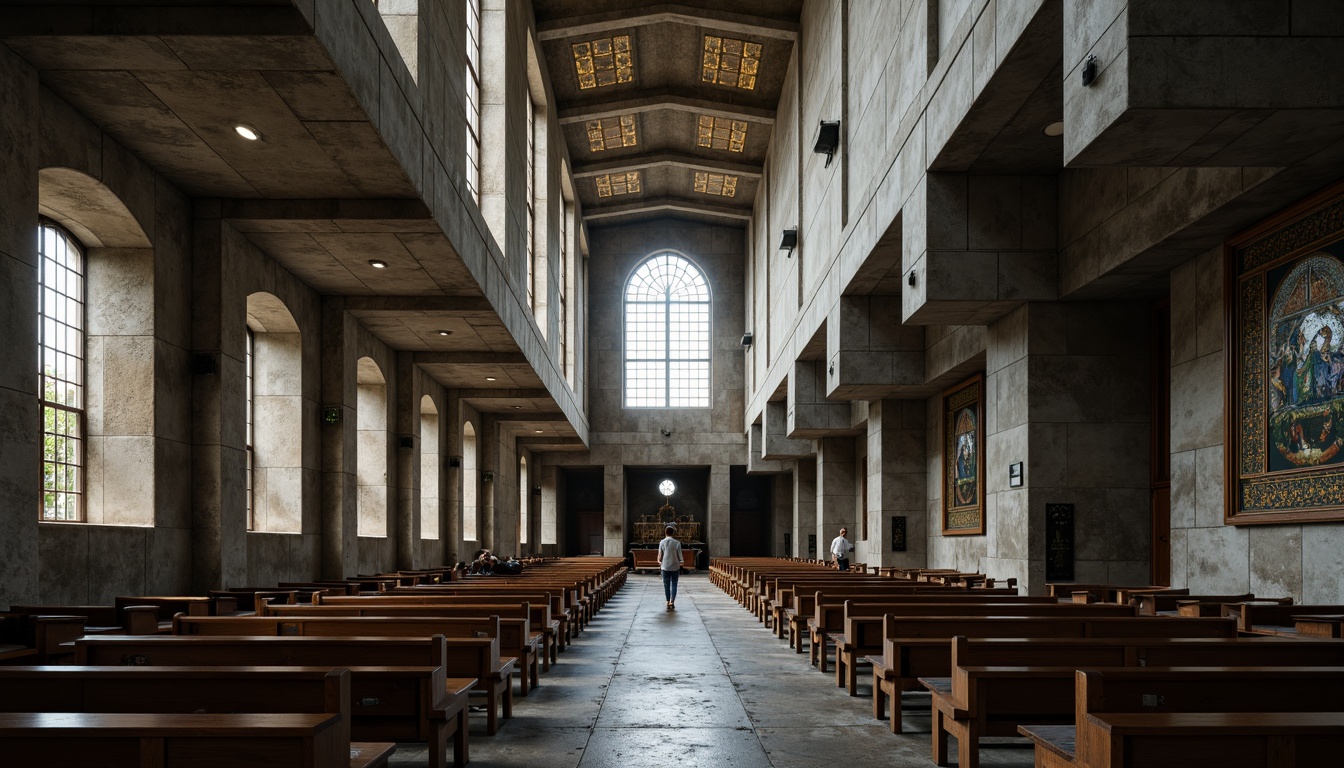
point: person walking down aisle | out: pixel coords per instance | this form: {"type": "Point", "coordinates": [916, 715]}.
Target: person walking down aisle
{"type": "Point", "coordinates": [840, 549]}
{"type": "Point", "coordinates": [669, 553]}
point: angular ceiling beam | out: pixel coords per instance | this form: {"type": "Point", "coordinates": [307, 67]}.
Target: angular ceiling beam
{"type": "Point", "coordinates": [598, 24]}
{"type": "Point", "coordinates": [534, 416]}
{"type": "Point", "coordinates": [655, 101]}
{"type": "Point", "coordinates": [496, 393]}
{"type": "Point", "coordinates": [417, 304]}
{"type": "Point", "coordinates": [317, 210]}
{"type": "Point", "coordinates": [666, 204]}
{"type": "Point", "coordinates": [668, 159]}
{"type": "Point", "coordinates": [471, 358]}
{"type": "Point", "coordinates": [552, 443]}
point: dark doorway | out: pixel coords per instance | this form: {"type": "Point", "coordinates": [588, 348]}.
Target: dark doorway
{"type": "Point", "coordinates": [750, 503]}
{"type": "Point", "coordinates": [690, 502]}
{"type": "Point", "coordinates": [1160, 458]}
{"type": "Point", "coordinates": [583, 499]}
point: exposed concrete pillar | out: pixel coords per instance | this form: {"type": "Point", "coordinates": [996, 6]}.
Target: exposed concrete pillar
{"type": "Point", "coordinates": [1071, 402]}
{"type": "Point", "coordinates": [869, 353]}
{"type": "Point", "coordinates": [613, 510]}
{"type": "Point", "coordinates": [810, 414]}
{"type": "Point", "coordinates": [782, 516]}
{"type": "Point", "coordinates": [406, 430]}
{"type": "Point", "coordinates": [755, 464]}
{"type": "Point", "coordinates": [776, 445]}
{"type": "Point", "coordinates": [805, 509]}
{"type": "Point", "coordinates": [719, 526]}
{"type": "Point", "coordinates": [548, 533]}
{"type": "Point", "coordinates": [835, 490]}
{"type": "Point", "coordinates": [487, 498]}
{"type": "Point", "coordinates": [897, 477]}
{"type": "Point", "coordinates": [975, 247]}
{"type": "Point", "coordinates": [340, 508]}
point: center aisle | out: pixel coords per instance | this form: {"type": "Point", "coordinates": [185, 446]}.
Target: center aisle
{"type": "Point", "coordinates": [704, 685]}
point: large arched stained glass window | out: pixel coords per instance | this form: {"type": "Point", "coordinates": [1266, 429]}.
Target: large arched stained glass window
{"type": "Point", "coordinates": [667, 312]}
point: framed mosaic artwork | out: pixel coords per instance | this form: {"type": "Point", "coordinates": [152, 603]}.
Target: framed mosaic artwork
{"type": "Point", "coordinates": [964, 458]}
{"type": "Point", "coordinates": [1285, 367]}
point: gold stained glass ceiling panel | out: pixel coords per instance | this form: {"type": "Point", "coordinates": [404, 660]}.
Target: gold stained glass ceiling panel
{"type": "Point", "coordinates": [730, 62]}
{"type": "Point", "coordinates": [721, 133]}
{"type": "Point", "coordinates": [720, 184]}
{"type": "Point", "coordinates": [611, 133]}
{"type": "Point", "coordinates": [604, 61]}
{"type": "Point", "coordinates": [609, 184]}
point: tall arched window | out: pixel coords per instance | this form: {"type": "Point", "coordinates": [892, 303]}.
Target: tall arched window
{"type": "Point", "coordinates": [429, 468]}
{"type": "Point", "coordinates": [469, 480]}
{"type": "Point", "coordinates": [522, 499]}
{"type": "Point", "coordinates": [61, 338]}
{"type": "Point", "coordinates": [473, 105]}
{"type": "Point", "coordinates": [667, 324]}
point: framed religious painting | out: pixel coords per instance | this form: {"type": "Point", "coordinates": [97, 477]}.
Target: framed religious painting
{"type": "Point", "coordinates": [964, 458]}
{"type": "Point", "coordinates": [1285, 367]}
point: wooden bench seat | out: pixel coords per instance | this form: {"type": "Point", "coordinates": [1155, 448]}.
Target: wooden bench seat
{"type": "Point", "coordinates": [921, 646]}
{"type": "Point", "coordinates": [864, 624]}
{"type": "Point", "coordinates": [402, 689]}
{"type": "Point", "coordinates": [161, 690]}
{"type": "Point", "coordinates": [995, 686]}
{"type": "Point", "coordinates": [1273, 618]}
{"type": "Point", "coordinates": [1240, 718]}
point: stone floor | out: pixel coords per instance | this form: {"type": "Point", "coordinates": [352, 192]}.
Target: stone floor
{"type": "Point", "coordinates": [705, 685]}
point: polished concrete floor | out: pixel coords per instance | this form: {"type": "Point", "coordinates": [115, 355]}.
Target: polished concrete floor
{"type": "Point", "coordinates": [705, 685]}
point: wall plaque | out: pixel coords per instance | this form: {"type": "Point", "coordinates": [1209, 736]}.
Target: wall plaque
{"type": "Point", "coordinates": [812, 545]}
{"type": "Point", "coordinates": [788, 544]}
{"type": "Point", "coordinates": [1058, 542]}
{"type": "Point", "coordinates": [898, 533]}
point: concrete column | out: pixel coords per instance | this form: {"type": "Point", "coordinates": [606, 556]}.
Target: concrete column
{"type": "Point", "coordinates": [897, 479]}
{"type": "Point", "coordinates": [613, 511]}
{"type": "Point", "coordinates": [20, 424]}
{"type": "Point", "coordinates": [489, 463]}
{"type": "Point", "coordinates": [805, 507]}
{"type": "Point", "coordinates": [1068, 395]}
{"type": "Point", "coordinates": [835, 490]}
{"type": "Point", "coordinates": [720, 529]}
{"type": "Point", "coordinates": [406, 474]}
{"type": "Point", "coordinates": [782, 515]}
{"type": "Point", "coordinates": [340, 549]}
{"type": "Point", "coordinates": [548, 528]}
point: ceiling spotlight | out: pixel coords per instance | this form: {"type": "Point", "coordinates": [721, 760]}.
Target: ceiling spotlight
{"type": "Point", "coordinates": [489, 378]}
{"type": "Point", "coordinates": [1054, 129]}
{"type": "Point", "coordinates": [444, 333]}
{"type": "Point", "coordinates": [539, 431]}
{"type": "Point", "coordinates": [516, 407]}
{"type": "Point", "coordinates": [789, 240]}
{"type": "Point", "coordinates": [247, 132]}
{"type": "Point", "coordinates": [377, 263]}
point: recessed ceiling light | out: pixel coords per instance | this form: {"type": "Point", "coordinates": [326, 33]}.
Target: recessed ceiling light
{"type": "Point", "coordinates": [1054, 129]}
{"type": "Point", "coordinates": [489, 378]}
{"type": "Point", "coordinates": [444, 333]}
{"type": "Point", "coordinates": [516, 407]}
{"type": "Point", "coordinates": [377, 263]}
{"type": "Point", "coordinates": [247, 132]}
{"type": "Point", "coordinates": [539, 431]}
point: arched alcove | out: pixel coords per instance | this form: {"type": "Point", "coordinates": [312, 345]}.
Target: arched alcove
{"type": "Point", "coordinates": [371, 451]}
{"type": "Point", "coordinates": [470, 482]}
{"type": "Point", "coordinates": [275, 402]}
{"type": "Point", "coordinates": [524, 494]}
{"type": "Point", "coordinates": [429, 468]}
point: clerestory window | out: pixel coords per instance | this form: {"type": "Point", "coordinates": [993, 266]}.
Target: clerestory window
{"type": "Point", "coordinates": [62, 372]}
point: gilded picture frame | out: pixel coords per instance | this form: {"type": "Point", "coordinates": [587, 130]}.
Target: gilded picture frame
{"type": "Point", "coordinates": [1284, 358]}
{"type": "Point", "coordinates": [964, 458]}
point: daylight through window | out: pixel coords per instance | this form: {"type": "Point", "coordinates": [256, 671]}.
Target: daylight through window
{"type": "Point", "coordinates": [667, 311]}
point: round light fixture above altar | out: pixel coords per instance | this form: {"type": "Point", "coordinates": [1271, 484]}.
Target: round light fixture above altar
{"type": "Point", "coordinates": [667, 487]}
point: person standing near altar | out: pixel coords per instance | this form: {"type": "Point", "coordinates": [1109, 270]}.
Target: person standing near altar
{"type": "Point", "coordinates": [669, 555]}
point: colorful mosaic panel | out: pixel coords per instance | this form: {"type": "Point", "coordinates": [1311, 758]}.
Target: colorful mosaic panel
{"type": "Point", "coordinates": [719, 184]}
{"type": "Point", "coordinates": [730, 62]}
{"type": "Point", "coordinates": [721, 133]}
{"type": "Point", "coordinates": [615, 184]}
{"type": "Point", "coordinates": [604, 61]}
{"type": "Point", "coordinates": [611, 133]}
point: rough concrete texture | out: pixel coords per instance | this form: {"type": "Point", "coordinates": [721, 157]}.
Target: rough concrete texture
{"type": "Point", "coordinates": [704, 685]}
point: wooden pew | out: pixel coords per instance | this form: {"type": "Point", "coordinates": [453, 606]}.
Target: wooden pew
{"type": "Point", "coordinates": [1242, 718]}
{"type": "Point", "coordinates": [402, 689]}
{"type": "Point", "coordinates": [565, 601]}
{"type": "Point", "coordinates": [864, 624]}
{"type": "Point", "coordinates": [791, 607]}
{"type": "Point", "coordinates": [206, 690]}
{"type": "Point", "coordinates": [997, 685]}
{"type": "Point", "coordinates": [1272, 618]}
{"type": "Point", "coordinates": [101, 619]}
{"type": "Point", "coordinates": [456, 631]}
{"type": "Point", "coordinates": [913, 648]}
{"type": "Point", "coordinates": [1155, 603]}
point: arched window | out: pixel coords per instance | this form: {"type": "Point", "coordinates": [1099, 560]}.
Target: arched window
{"type": "Point", "coordinates": [522, 499]}
{"type": "Point", "coordinates": [667, 313]}
{"type": "Point", "coordinates": [371, 455]}
{"type": "Point", "coordinates": [61, 340]}
{"type": "Point", "coordinates": [429, 468]}
{"type": "Point", "coordinates": [469, 480]}
{"type": "Point", "coordinates": [274, 416]}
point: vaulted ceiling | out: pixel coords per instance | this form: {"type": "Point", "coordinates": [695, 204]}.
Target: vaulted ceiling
{"type": "Point", "coordinates": [667, 110]}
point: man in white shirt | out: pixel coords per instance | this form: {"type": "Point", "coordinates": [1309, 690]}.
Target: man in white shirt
{"type": "Point", "coordinates": [840, 549]}
{"type": "Point", "coordinates": [669, 555]}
